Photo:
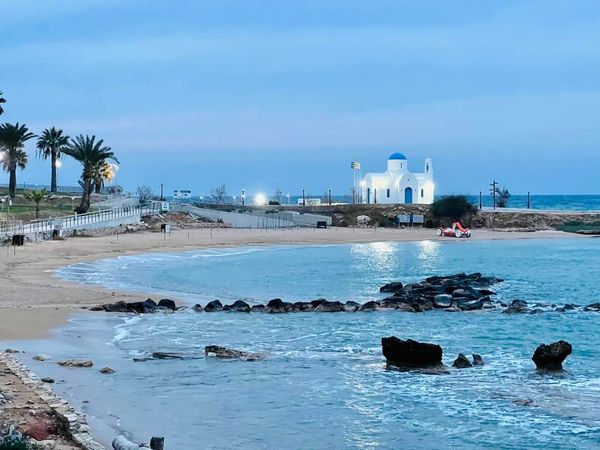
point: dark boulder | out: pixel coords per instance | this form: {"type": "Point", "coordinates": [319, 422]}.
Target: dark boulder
{"type": "Point", "coordinates": [369, 306]}
{"type": "Point", "coordinates": [550, 357]}
{"type": "Point", "coordinates": [411, 354]}
{"type": "Point", "coordinates": [317, 302]}
{"type": "Point", "coordinates": [228, 353]}
{"type": "Point", "coordinates": [462, 362]}
{"type": "Point", "coordinates": [278, 306]}
{"type": "Point", "coordinates": [593, 307]}
{"type": "Point", "coordinates": [351, 306]}
{"type": "Point", "coordinates": [303, 306]}
{"type": "Point", "coordinates": [198, 308]}
{"type": "Point", "coordinates": [257, 308]}
{"type": "Point", "coordinates": [239, 306]}
{"type": "Point", "coordinates": [470, 305]}
{"type": "Point", "coordinates": [167, 304]}
{"type": "Point", "coordinates": [517, 307]}
{"type": "Point", "coordinates": [477, 360]}
{"type": "Point", "coordinates": [148, 306]}
{"type": "Point", "coordinates": [443, 301]}
{"type": "Point", "coordinates": [213, 306]}
{"type": "Point", "coordinates": [119, 307]}
{"type": "Point", "coordinates": [393, 287]}
{"type": "Point", "coordinates": [330, 307]}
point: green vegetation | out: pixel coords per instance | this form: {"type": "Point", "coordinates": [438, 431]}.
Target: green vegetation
{"type": "Point", "coordinates": [453, 207]}
{"type": "Point", "coordinates": [581, 227]}
{"type": "Point", "coordinates": [12, 142]}
{"type": "Point", "coordinates": [49, 145]}
{"type": "Point", "coordinates": [502, 197]}
{"type": "Point", "coordinates": [37, 196]}
{"type": "Point", "coordinates": [93, 156]}
{"type": "Point", "coordinates": [17, 443]}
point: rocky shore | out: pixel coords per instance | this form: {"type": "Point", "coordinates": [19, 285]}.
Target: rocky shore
{"type": "Point", "coordinates": [29, 408]}
{"type": "Point", "coordinates": [452, 293]}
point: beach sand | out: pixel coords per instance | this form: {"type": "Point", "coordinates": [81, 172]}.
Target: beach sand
{"type": "Point", "coordinates": [34, 301]}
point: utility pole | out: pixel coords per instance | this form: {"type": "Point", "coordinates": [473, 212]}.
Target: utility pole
{"type": "Point", "coordinates": [493, 190]}
{"type": "Point", "coordinates": [480, 200]}
{"type": "Point", "coordinates": [529, 200]}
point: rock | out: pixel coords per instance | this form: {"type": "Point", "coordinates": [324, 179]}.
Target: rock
{"type": "Point", "coordinates": [393, 287]}
{"type": "Point", "coordinates": [240, 306]}
{"type": "Point", "coordinates": [167, 304]}
{"type": "Point", "coordinates": [517, 307]}
{"type": "Point", "coordinates": [198, 308]}
{"type": "Point", "coordinates": [411, 354]}
{"type": "Point", "coordinates": [257, 308]}
{"type": "Point", "coordinates": [213, 306]}
{"type": "Point", "coordinates": [330, 307]}
{"type": "Point", "coordinates": [462, 362]}
{"type": "Point", "coordinates": [48, 380]}
{"type": "Point", "coordinates": [148, 306]}
{"type": "Point", "coordinates": [523, 402]}
{"type": "Point", "coordinates": [119, 307]}
{"type": "Point", "coordinates": [477, 360]}
{"type": "Point", "coordinates": [303, 306]}
{"type": "Point", "coordinates": [593, 307]}
{"type": "Point", "coordinates": [363, 220]}
{"type": "Point", "coordinates": [443, 301]}
{"type": "Point", "coordinates": [168, 355]}
{"type": "Point", "coordinates": [470, 305]}
{"type": "Point", "coordinates": [317, 302]}
{"type": "Point", "coordinates": [278, 306]}
{"type": "Point", "coordinates": [107, 371]}
{"type": "Point", "coordinates": [369, 306]}
{"type": "Point", "coordinates": [227, 353]}
{"type": "Point", "coordinates": [76, 363]}
{"type": "Point", "coordinates": [351, 306]}
{"type": "Point", "coordinates": [550, 357]}
{"type": "Point", "coordinates": [11, 350]}
{"type": "Point", "coordinates": [40, 358]}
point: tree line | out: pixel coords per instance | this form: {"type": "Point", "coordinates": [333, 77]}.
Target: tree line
{"type": "Point", "coordinates": [52, 144]}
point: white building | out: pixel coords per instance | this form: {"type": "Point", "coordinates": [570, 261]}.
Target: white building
{"type": "Point", "coordinates": [397, 184]}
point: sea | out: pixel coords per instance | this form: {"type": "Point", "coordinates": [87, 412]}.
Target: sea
{"type": "Point", "coordinates": [324, 383]}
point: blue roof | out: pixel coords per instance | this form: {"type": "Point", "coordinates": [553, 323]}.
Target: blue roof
{"type": "Point", "coordinates": [397, 156]}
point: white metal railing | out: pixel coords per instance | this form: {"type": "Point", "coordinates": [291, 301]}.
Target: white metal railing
{"type": "Point", "coordinates": [75, 221]}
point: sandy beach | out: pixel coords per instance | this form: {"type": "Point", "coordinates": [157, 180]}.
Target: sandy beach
{"type": "Point", "coordinates": [34, 301]}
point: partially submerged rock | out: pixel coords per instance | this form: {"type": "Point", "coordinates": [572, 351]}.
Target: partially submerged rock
{"type": "Point", "coordinates": [462, 362]}
{"type": "Point", "coordinates": [411, 354]}
{"type": "Point", "coordinates": [213, 306]}
{"type": "Point", "coordinates": [166, 303]}
{"type": "Point", "coordinates": [278, 306]}
{"type": "Point", "coordinates": [517, 307]}
{"type": "Point", "coordinates": [76, 363]}
{"type": "Point", "coordinates": [107, 371]}
{"type": "Point", "coordinates": [330, 307]}
{"type": "Point", "coordinates": [238, 306]}
{"type": "Point", "coordinates": [228, 353]}
{"type": "Point", "coordinates": [550, 357]}
{"type": "Point", "coordinates": [477, 360]}
{"type": "Point", "coordinates": [47, 380]}
{"type": "Point", "coordinates": [40, 358]}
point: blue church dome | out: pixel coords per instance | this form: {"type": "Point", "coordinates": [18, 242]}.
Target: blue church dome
{"type": "Point", "coordinates": [397, 156]}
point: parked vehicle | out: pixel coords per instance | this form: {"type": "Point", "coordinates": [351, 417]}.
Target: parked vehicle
{"type": "Point", "coordinates": [456, 230]}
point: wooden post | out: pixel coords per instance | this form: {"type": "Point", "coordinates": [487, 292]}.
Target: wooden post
{"type": "Point", "coordinates": [157, 443]}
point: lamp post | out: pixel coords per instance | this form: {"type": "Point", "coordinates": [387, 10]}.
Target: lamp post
{"type": "Point", "coordinates": [243, 197]}
{"type": "Point", "coordinates": [303, 198]}
{"type": "Point", "coordinates": [329, 194]}
{"type": "Point", "coordinates": [234, 199]}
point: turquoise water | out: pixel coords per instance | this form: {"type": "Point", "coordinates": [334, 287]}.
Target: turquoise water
{"type": "Point", "coordinates": [325, 384]}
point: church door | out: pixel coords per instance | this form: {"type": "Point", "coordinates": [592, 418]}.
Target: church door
{"type": "Point", "coordinates": [408, 195]}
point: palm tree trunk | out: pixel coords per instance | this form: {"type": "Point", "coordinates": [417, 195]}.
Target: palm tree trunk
{"type": "Point", "coordinates": [88, 187]}
{"type": "Point", "coordinates": [53, 177]}
{"type": "Point", "coordinates": [37, 210]}
{"type": "Point", "coordinates": [12, 183]}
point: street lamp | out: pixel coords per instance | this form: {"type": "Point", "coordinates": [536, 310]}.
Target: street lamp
{"type": "Point", "coordinates": [234, 199]}
{"type": "Point", "coordinates": [303, 197]}
{"type": "Point", "coordinates": [243, 197]}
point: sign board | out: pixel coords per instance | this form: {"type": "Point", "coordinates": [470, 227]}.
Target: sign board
{"type": "Point", "coordinates": [410, 219]}
{"type": "Point", "coordinates": [182, 194]}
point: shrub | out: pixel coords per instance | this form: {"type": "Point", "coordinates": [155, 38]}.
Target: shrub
{"type": "Point", "coordinates": [454, 207]}
{"type": "Point", "coordinates": [17, 443]}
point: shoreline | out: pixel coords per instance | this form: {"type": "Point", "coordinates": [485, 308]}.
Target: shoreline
{"type": "Point", "coordinates": [29, 283]}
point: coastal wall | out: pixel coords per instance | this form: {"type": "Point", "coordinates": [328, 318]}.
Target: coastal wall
{"type": "Point", "coordinates": [384, 215]}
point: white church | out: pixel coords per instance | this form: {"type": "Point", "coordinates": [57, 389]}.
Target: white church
{"type": "Point", "coordinates": [397, 184]}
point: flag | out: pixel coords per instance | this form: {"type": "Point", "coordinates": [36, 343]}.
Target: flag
{"type": "Point", "coordinates": [355, 165]}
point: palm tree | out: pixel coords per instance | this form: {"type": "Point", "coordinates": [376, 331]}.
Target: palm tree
{"type": "Point", "coordinates": [37, 196]}
{"type": "Point", "coordinates": [12, 155]}
{"type": "Point", "coordinates": [49, 145]}
{"type": "Point", "coordinates": [2, 100]}
{"type": "Point", "coordinates": [92, 155]}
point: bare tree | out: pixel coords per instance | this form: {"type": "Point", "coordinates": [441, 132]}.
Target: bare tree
{"type": "Point", "coordinates": [218, 193]}
{"type": "Point", "coordinates": [144, 192]}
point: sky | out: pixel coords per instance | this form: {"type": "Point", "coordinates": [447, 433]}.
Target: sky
{"type": "Point", "coordinates": [268, 94]}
